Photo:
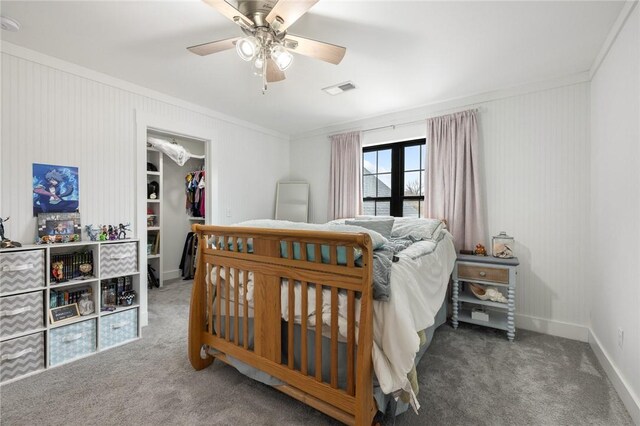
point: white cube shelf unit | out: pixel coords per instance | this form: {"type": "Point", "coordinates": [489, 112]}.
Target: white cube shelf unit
{"type": "Point", "coordinates": [30, 340]}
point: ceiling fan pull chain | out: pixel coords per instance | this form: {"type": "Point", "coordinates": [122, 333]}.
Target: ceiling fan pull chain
{"type": "Point", "coordinates": [264, 76]}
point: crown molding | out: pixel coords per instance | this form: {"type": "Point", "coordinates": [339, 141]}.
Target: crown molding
{"type": "Point", "coordinates": [80, 71]}
{"type": "Point", "coordinates": [447, 106]}
{"type": "Point", "coordinates": [624, 14]}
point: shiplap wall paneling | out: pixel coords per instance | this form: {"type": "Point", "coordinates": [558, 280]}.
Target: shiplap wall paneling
{"type": "Point", "coordinates": [535, 173]}
{"type": "Point", "coordinates": [59, 114]}
{"type": "Point", "coordinates": [52, 116]}
{"type": "Point", "coordinates": [536, 167]}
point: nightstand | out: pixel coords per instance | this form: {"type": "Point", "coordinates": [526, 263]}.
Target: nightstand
{"type": "Point", "coordinates": [488, 271]}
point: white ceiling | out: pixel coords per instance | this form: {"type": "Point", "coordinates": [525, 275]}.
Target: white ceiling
{"type": "Point", "coordinates": [400, 54]}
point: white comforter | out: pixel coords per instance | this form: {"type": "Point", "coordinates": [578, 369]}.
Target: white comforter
{"type": "Point", "coordinates": [418, 287]}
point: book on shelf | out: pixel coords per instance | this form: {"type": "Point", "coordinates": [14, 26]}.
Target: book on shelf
{"type": "Point", "coordinates": [69, 266]}
{"type": "Point", "coordinates": [58, 298]}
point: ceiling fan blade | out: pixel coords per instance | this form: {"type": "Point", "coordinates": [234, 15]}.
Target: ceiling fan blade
{"type": "Point", "coordinates": [273, 72]}
{"type": "Point", "coordinates": [289, 11]}
{"type": "Point", "coordinates": [214, 46]}
{"type": "Point", "coordinates": [229, 11]}
{"type": "Point", "coordinates": [316, 49]}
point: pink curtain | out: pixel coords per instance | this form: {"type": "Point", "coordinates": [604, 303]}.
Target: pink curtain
{"type": "Point", "coordinates": [452, 177]}
{"type": "Point", "coordinates": [345, 176]}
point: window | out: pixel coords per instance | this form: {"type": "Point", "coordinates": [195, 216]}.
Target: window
{"type": "Point", "coordinates": [392, 179]}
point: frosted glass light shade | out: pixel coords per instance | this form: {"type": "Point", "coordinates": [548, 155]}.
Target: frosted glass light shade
{"type": "Point", "coordinates": [281, 56]}
{"type": "Point", "coordinates": [247, 48]}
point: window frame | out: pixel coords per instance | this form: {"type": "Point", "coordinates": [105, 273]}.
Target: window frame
{"type": "Point", "coordinates": [397, 175]}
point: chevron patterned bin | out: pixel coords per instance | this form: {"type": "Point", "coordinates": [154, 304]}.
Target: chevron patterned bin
{"type": "Point", "coordinates": [72, 341]}
{"type": "Point", "coordinates": [118, 328]}
{"type": "Point", "coordinates": [20, 313]}
{"type": "Point", "coordinates": [118, 259]}
{"type": "Point", "coordinates": [21, 270]}
{"type": "Point", "coordinates": [21, 356]}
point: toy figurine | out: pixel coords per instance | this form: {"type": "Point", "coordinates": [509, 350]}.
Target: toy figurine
{"type": "Point", "coordinates": [122, 231]}
{"type": "Point", "coordinates": [103, 234]}
{"type": "Point", "coordinates": [480, 250]}
{"type": "Point", "coordinates": [2, 227]}
{"type": "Point", "coordinates": [112, 233]}
{"type": "Point", "coordinates": [93, 232]}
{"type": "Point", "coordinates": [57, 271]}
{"type": "Point", "coordinates": [5, 242]}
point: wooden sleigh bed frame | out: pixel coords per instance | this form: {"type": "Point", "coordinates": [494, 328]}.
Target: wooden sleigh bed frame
{"type": "Point", "coordinates": [227, 249]}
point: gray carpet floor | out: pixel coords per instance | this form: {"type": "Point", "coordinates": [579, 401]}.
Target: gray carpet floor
{"type": "Point", "coordinates": [471, 376]}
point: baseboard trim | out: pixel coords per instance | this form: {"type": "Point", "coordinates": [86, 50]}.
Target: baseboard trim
{"type": "Point", "coordinates": [629, 399]}
{"type": "Point", "coordinates": [554, 328]}
{"type": "Point", "coordinates": [170, 275]}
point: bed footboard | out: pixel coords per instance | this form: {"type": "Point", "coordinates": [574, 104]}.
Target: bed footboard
{"type": "Point", "coordinates": [317, 260]}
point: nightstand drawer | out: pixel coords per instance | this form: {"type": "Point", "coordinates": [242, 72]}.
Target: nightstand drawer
{"type": "Point", "coordinates": [483, 273]}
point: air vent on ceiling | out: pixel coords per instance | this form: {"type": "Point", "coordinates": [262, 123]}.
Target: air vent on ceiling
{"type": "Point", "coordinates": [340, 88]}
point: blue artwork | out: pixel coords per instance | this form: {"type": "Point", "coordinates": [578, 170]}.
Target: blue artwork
{"type": "Point", "coordinates": [55, 189]}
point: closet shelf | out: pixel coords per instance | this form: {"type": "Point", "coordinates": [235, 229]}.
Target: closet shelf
{"type": "Point", "coordinates": [153, 228]}
{"type": "Point", "coordinates": [152, 201]}
{"type": "Point", "coordinates": [200, 219]}
{"type": "Point", "coordinates": [153, 173]}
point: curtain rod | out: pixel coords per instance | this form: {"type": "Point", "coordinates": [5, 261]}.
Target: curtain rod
{"type": "Point", "coordinates": [393, 126]}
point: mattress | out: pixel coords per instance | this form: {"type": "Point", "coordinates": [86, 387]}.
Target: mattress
{"type": "Point", "coordinates": [418, 287]}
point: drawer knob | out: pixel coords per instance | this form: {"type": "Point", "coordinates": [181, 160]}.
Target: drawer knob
{"type": "Point", "coordinates": [483, 274]}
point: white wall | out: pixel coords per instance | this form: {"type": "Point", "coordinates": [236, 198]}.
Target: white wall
{"type": "Point", "coordinates": [614, 272]}
{"type": "Point", "coordinates": [55, 112]}
{"type": "Point", "coordinates": [51, 115]}
{"type": "Point", "coordinates": [535, 159]}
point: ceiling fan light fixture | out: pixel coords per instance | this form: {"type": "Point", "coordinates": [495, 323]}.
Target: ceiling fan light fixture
{"type": "Point", "coordinates": [247, 48]}
{"type": "Point", "coordinates": [258, 65]}
{"type": "Point", "coordinates": [282, 57]}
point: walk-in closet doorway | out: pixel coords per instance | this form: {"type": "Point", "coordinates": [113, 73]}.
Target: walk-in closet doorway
{"type": "Point", "coordinates": [171, 197]}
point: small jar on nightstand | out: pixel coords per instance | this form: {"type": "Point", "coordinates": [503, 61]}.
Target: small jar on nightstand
{"type": "Point", "coordinates": [487, 284]}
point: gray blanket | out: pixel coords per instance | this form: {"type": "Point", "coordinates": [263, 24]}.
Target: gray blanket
{"type": "Point", "coordinates": [383, 258]}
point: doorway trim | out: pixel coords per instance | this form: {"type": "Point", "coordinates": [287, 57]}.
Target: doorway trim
{"type": "Point", "coordinates": [144, 122]}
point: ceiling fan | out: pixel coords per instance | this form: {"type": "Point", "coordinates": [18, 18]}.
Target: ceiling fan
{"type": "Point", "coordinates": [267, 43]}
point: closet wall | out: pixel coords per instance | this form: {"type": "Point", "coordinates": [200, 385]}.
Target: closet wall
{"type": "Point", "coordinates": [176, 222]}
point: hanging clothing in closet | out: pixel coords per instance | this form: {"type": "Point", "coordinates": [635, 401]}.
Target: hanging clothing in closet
{"type": "Point", "coordinates": [194, 188]}
{"type": "Point", "coordinates": [189, 255]}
